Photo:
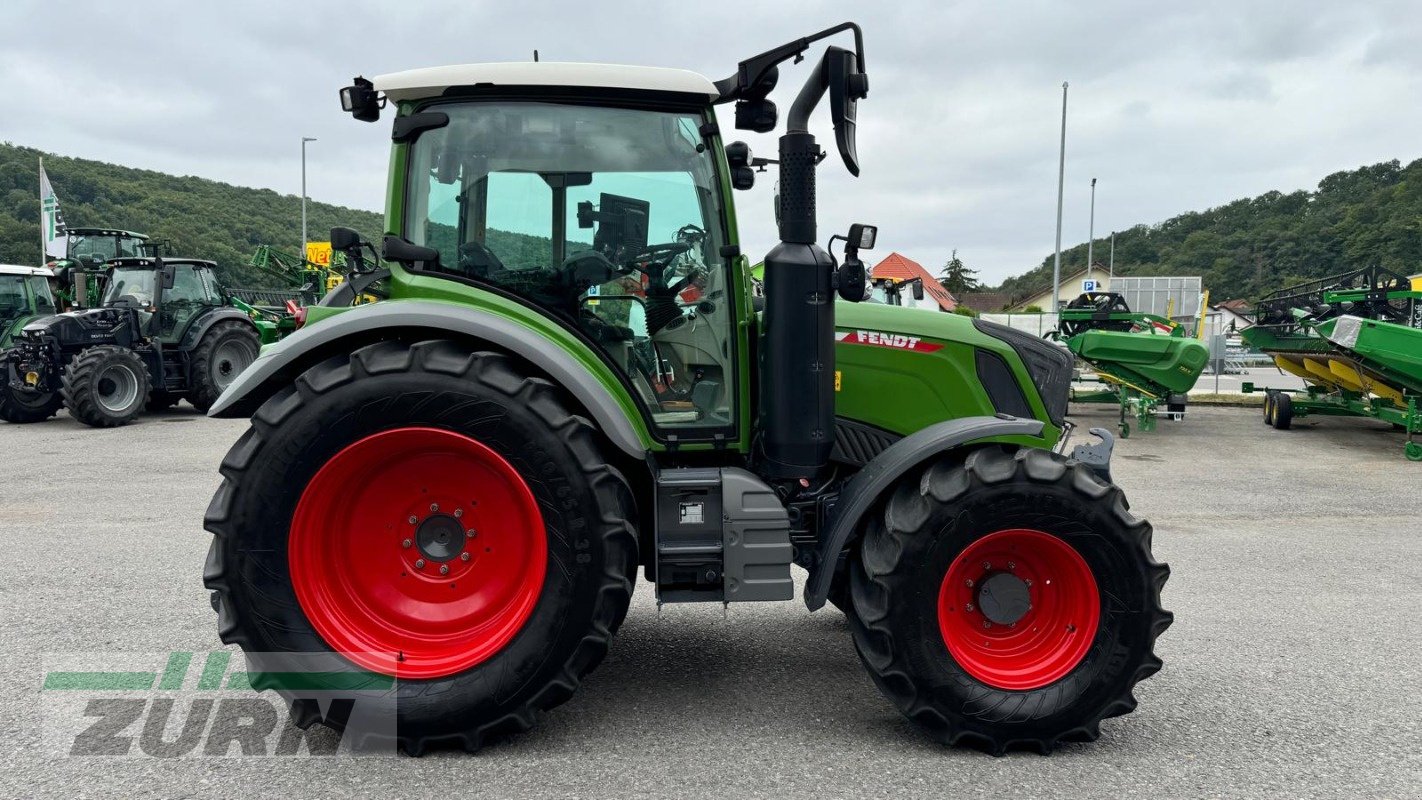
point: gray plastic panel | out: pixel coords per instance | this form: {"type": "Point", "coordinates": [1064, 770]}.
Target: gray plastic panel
{"type": "Point", "coordinates": [756, 540]}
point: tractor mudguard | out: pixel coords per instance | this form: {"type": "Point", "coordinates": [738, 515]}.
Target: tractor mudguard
{"type": "Point", "coordinates": [266, 374]}
{"type": "Point", "coordinates": [870, 483]}
{"type": "Point", "coordinates": [195, 331]}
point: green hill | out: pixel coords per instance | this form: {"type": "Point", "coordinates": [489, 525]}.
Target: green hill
{"type": "Point", "coordinates": [1367, 217]}
{"type": "Point", "coordinates": [203, 218]}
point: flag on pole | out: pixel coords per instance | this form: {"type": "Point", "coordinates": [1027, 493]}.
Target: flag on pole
{"type": "Point", "coordinates": [52, 228]}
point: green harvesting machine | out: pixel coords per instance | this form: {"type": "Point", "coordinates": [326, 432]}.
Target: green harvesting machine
{"type": "Point", "coordinates": [1355, 339]}
{"type": "Point", "coordinates": [1140, 359]}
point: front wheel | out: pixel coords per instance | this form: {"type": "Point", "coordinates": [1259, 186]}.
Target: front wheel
{"type": "Point", "coordinates": [1007, 600]}
{"type": "Point", "coordinates": [105, 386]}
{"type": "Point", "coordinates": [19, 406]}
{"type": "Point", "coordinates": [433, 515]}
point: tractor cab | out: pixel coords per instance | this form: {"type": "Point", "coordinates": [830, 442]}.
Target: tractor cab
{"type": "Point", "coordinates": [167, 294]}
{"type": "Point", "coordinates": [24, 295]}
{"type": "Point", "coordinates": [609, 217]}
{"type": "Point", "coordinates": [82, 274]}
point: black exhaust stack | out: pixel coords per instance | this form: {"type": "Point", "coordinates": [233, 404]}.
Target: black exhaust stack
{"type": "Point", "coordinates": [797, 345]}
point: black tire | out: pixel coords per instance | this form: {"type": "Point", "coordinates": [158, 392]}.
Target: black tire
{"type": "Point", "coordinates": [22, 407]}
{"type": "Point", "coordinates": [160, 401]}
{"type": "Point", "coordinates": [105, 386]}
{"type": "Point", "coordinates": [587, 507]}
{"type": "Point", "coordinates": [226, 349]}
{"type": "Point", "coordinates": [1283, 415]}
{"type": "Point", "coordinates": [1269, 408]}
{"type": "Point", "coordinates": [935, 514]}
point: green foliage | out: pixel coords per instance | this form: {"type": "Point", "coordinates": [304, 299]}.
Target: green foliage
{"type": "Point", "coordinates": [1365, 217]}
{"type": "Point", "coordinates": [203, 218]}
{"type": "Point", "coordinates": [957, 278]}
{"type": "Point", "coordinates": [1033, 309]}
{"type": "Point", "coordinates": [964, 311]}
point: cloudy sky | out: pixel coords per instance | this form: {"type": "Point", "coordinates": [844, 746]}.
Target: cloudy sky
{"type": "Point", "coordinates": [1173, 107]}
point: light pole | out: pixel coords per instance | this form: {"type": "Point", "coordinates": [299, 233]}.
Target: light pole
{"type": "Point", "coordinates": [1091, 233]}
{"type": "Point", "coordinates": [304, 140]}
{"type": "Point", "coordinates": [1061, 185]}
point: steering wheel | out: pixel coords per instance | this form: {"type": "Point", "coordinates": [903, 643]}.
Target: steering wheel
{"type": "Point", "coordinates": [660, 253]}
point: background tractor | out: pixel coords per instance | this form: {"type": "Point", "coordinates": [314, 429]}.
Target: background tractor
{"type": "Point", "coordinates": [454, 488]}
{"type": "Point", "coordinates": [163, 332]}
{"type": "Point", "coordinates": [82, 273]}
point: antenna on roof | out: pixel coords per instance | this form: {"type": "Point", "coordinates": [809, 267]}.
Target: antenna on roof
{"type": "Point", "coordinates": [535, 56]}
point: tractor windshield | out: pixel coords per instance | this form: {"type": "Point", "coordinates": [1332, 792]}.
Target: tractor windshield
{"type": "Point", "coordinates": [106, 246]}
{"type": "Point", "coordinates": [132, 286]}
{"type": "Point", "coordinates": [609, 219]}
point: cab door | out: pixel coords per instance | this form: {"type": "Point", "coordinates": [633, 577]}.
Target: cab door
{"type": "Point", "coordinates": [189, 296]}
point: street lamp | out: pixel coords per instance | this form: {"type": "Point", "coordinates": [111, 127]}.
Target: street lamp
{"type": "Point", "coordinates": [1091, 232]}
{"type": "Point", "coordinates": [304, 140]}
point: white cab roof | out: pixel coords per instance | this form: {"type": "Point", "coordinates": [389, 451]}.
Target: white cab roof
{"type": "Point", "coordinates": [432, 81]}
{"type": "Point", "coordinates": [15, 269]}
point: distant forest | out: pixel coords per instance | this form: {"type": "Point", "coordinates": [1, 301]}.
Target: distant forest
{"type": "Point", "coordinates": [202, 218]}
{"type": "Point", "coordinates": [1366, 217]}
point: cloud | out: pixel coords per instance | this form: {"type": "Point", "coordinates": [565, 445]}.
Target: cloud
{"type": "Point", "coordinates": [1172, 107]}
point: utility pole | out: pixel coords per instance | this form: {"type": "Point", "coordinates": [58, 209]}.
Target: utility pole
{"type": "Point", "coordinates": [1061, 187]}
{"type": "Point", "coordinates": [1091, 233]}
{"type": "Point", "coordinates": [304, 140]}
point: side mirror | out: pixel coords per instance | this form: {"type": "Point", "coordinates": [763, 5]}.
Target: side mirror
{"type": "Point", "coordinates": [918, 290]}
{"type": "Point", "coordinates": [361, 101]}
{"type": "Point", "coordinates": [585, 214]}
{"type": "Point", "coordinates": [757, 115]}
{"type": "Point", "coordinates": [169, 276]}
{"type": "Point", "coordinates": [847, 87]}
{"type": "Point", "coordinates": [738, 154]}
{"type": "Point", "coordinates": [343, 239]}
{"type": "Point", "coordinates": [742, 177]}
{"type": "Point", "coordinates": [403, 251]}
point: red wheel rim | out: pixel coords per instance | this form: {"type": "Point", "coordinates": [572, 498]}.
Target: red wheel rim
{"type": "Point", "coordinates": [417, 552]}
{"type": "Point", "coordinates": [1022, 649]}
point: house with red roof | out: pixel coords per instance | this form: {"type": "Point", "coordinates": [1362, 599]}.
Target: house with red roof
{"type": "Point", "coordinates": [900, 269]}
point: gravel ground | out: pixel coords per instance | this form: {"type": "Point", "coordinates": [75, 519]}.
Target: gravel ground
{"type": "Point", "coordinates": [1291, 670]}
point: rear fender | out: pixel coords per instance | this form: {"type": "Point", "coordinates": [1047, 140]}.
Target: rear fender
{"type": "Point", "coordinates": [863, 490]}
{"type": "Point", "coordinates": [280, 363]}
{"type": "Point", "coordinates": [202, 324]}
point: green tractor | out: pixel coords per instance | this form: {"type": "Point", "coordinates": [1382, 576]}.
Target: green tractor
{"type": "Point", "coordinates": [163, 331]}
{"type": "Point", "coordinates": [24, 295]}
{"type": "Point", "coordinates": [83, 272]}
{"type": "Point", "coordinates": [451, 490]}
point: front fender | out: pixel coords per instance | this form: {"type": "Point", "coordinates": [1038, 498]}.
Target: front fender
{"type": "Point", "coordinates": [272, 368]}
{"type": "Point", "coordinates": [870, 483]}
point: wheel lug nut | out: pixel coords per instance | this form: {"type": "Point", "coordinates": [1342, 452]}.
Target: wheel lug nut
{"type": "Point", "coordinates": [1012, 565]}
{"type": "Point", "coordinates": [987, 565]}
{"type": "Point", "coordinates": [444, 569]}
{"type": "Point", "coordinates": [968, 607]}
{"type": "Point", "coordinates": [969, 582]}
{"type": "Point", "coordinates": [463, 556]}
{"type": "Point", "coordinates": [471, 533]}
{"type": "Point", "coordinates": [458, 512]}
{"type": "Point", "coordinates": [406, 543]}
{"type": "Point", "coordinates": [986, 624]}
{"type": "Point", "coordinates": [434, 506]}
{"type": "Point", "coordinates": [414, 519]}
{"type": "Point", "coordinates": [1028, 581]}
{"type": "Point", "coordinates": [419, 563]}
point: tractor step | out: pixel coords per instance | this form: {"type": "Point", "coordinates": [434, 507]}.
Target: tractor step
{"type": "Point", "coordinates": [722, 535]}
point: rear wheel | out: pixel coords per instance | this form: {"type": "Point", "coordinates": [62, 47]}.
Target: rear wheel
{"type": "Point", "coordinates": [226, 349]}
{"type": "Point", "coordinates": [21, 407]}
{"type": "Point", "coordinates": [1269, 408]}
{"type": "Point", "coordinates": [430, 514]}
{"type": "Point", "coordinates": [1283, 415]}
{"type": "Point", "coordinates": [105, 386]}
{"type": "Point", "coordinates": [1008, 600]}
